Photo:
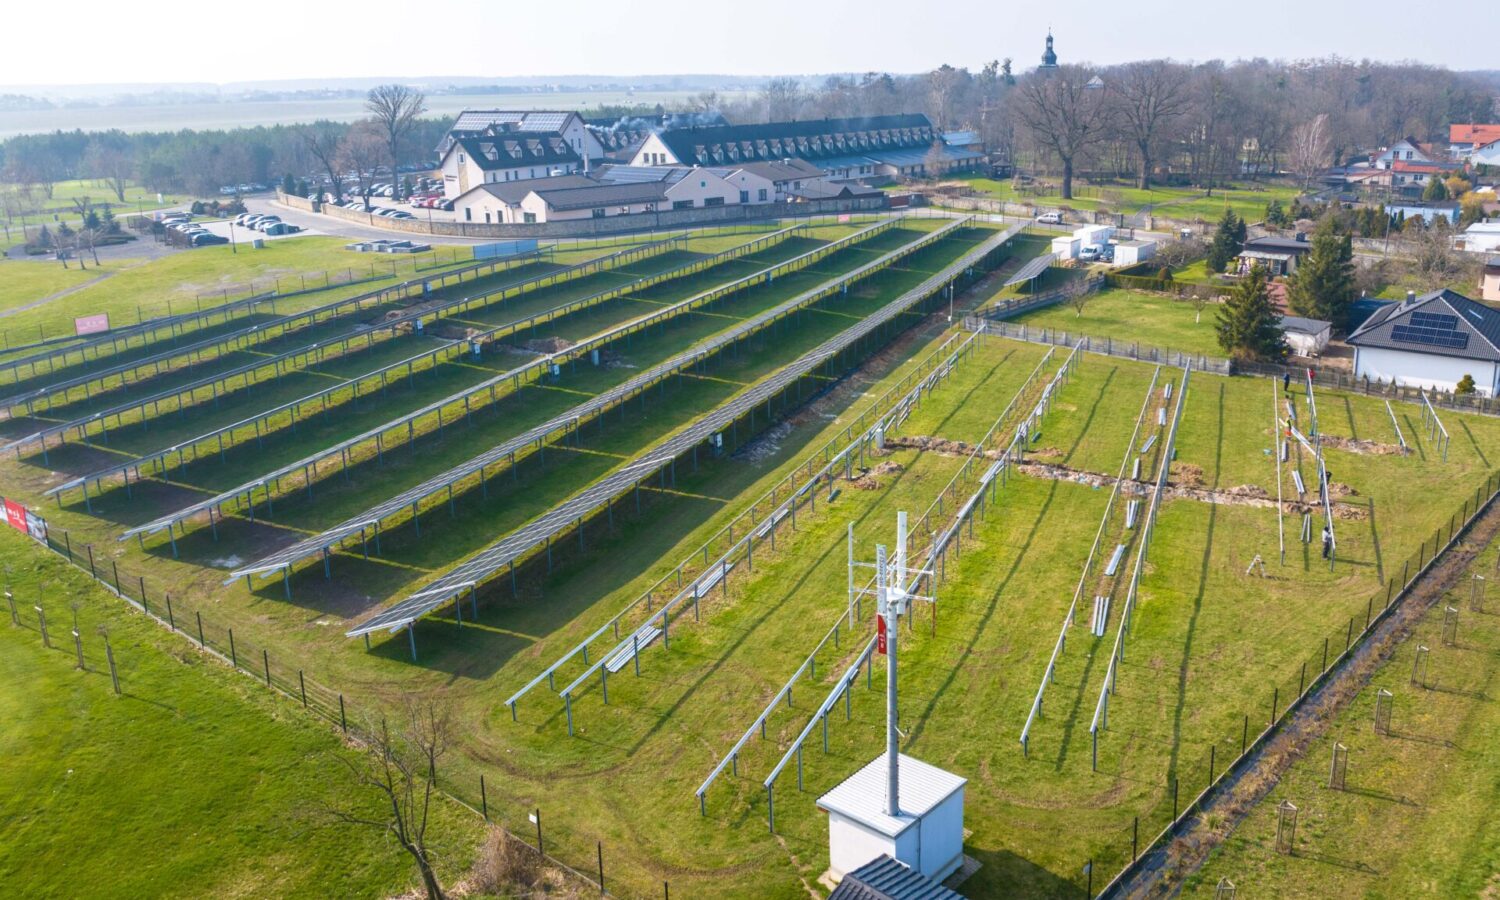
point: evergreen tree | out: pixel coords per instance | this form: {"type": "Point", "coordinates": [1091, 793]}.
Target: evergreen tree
{"type": "Point", "coordinates": [1436, 190]}
{"type": "Point", "coordinates": [1323, 286]}
{"type": "Point", "coordinates": [1229, 240]}
{"type": "Point", "coordinates": [1465, 385]}
{"type": "Point", "coordinates": [289, 184]}
{"type": "Point", "coordinates": [1276, 214]}
{"type": "Point", "coordinates": [1248, 325]}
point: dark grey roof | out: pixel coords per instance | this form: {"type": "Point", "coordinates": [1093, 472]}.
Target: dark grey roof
{"type": "Point", "coordinates": [517, 149]}
{"type": "Point", "coordinates": [513, 192]}
{"type": "Point", "coordinates": [587, 197]}
{"type": "Point", "coordinates": [725, 145]}
{"type": "Point", "coordinates": [1304, 326]}
{"type": "Point", "coordinates": [1277, 245]}
{"type": "Point", "coordinates": [886, 879]}
{"type": "Point", "coordinates": [1467, 330]}
{"type": "Point", "coordinates": [1492, 263]}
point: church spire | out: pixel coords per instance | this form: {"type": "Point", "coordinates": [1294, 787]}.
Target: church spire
{"type": "Point", "coordinates": [1049, 58]}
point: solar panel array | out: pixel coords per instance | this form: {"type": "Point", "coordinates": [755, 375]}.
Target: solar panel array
{"type": "Point", "coordinates": [1433, 330]}
{"type": "Point", "coordinates": [556, 521]}
{"type": "Point", "coordinates": [1031, 270]}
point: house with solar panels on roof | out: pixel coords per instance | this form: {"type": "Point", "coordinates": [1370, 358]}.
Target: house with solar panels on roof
{"type": "Point", "coordinates": [502, 153]}
{"type": "Point", "coordinates": [1431, 342]}
{"type": "Point", "coordinates": [869, 148]}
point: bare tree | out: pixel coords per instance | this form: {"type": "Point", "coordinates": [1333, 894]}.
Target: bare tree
{"type": "Point", "coordinates": [1311, 149]}
{"type": "Point", "coordinates": [395, 109]}
{"type": "Point", "coordinates": [783, 98]}
{"type": "Point", "coordinates": [323, 139]}
{"type": "Point", "coordinates": [400, 769]}
{"type": "Point", "coordinates": [110, 159]}
{"type": "Point", "coordinates": [360, 152]}
{"type": "Point", "coordinates": [1065, 112]}
{"type": "Point", "coordinates": [1149, 96]}
{"type": "Point", "coordinates": [943, 85]}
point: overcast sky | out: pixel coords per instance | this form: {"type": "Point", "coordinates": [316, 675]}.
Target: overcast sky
{"type": "Point", "coordinates": [173, 41]}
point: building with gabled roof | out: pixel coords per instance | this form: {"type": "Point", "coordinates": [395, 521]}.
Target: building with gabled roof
{"type": "Point", "coordinates": [872, 146]}
{"type": "Point", "coordinates": [565, 123]}
{"type": "Point", "coordinates": [500, 154]}
{"type": "Point", "coordinates": [1431, 342]}
{"type": "Point", "coordinates": [1464, 139]}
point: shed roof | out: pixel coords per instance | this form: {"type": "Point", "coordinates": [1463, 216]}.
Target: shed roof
{"type": "Point", "coordinates": [1304, 326]}
{"type": "Point", "coordinates": [1442, 323]}
{"type": "Point", "coordinates": [1277, 245]}
{"type": "Point", "coordinates": [810, 138]}
{"type": "Point", "coordinates": [861, 796]}
{"type": "Point", "coordinates": [513, 192]}
{"type": "Point", "coordinates": [884, 878]}
{"type": "Point", "coordinates": [588, 196]}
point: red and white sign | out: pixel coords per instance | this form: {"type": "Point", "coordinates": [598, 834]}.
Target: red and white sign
{"type": "Point", "coordinates": [91, 324]}
{"type": "Point", "coordinates": [15, 514]}
{"type": "Point", "coordinates": [880, 635]}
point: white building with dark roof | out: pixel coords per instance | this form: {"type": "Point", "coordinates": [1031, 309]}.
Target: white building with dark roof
{"type": "Point", "coordinates": [570, 126]}
{"type": "Point", "coordinates": [874, 146]}
{"type": "Point", "coordinates": [608, 191]}
{"type": "Point", "coordinates": [501, 154]}
{"type": "Point", "coordinates": [1431, 342]}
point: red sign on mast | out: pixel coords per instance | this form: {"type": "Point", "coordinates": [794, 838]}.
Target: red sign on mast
{"type": "Point", "coordinates": [880, 635]}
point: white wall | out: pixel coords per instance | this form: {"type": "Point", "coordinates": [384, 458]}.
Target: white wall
{"type": "Point", "coordinates": [654, 153]}
{"type": "Point", "coordinates": [1126, 255]}
{"type": "Point", "coordinates": [851, 845]}
{"type": "Point", "coordinates": [1421, 370]}
{"type": "Point", "coordinates": [942, 839]}
{"type": "Point", "coordinates": [1306, 344]}
{"type": "Point", "coordinates": [699, 185]}
{"type": "Point", "coordinates": [753, 184]}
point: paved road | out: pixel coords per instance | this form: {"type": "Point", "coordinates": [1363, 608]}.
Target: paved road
{"type": "Point", "coordinates": [338, 227]}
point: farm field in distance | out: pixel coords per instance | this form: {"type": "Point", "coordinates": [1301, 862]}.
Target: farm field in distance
{"type": "Point", "coordinates": [1208, 642]}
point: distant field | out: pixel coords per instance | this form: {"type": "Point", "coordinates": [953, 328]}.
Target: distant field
{"type": "Point", "coordinates": [246, 114]}
{"type": "Point", "coordinates": [1153, 320]}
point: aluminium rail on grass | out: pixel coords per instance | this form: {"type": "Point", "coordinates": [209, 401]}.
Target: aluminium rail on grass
{"type": "Point", "coordinates": [565, 422]}
{"type": "Point", "coordinates": [248, 336]}
{"type": "Point", "coordinates": [513, 378]}
{"type": "Point", "coordinates": [453, 349]}
{"type": "Point", "coordinates": [498, 556]}
{"type": "Point", "coordinates": [713, 575]}
{"type": "Point", "coordinates": [950, 536]}
{"type": "Point", "coordinates": [1132, 591]}
{"type": "Point", "coordinates": [809, 664]}
{"type": "Point", "coordinates": [1088, 564]}
{"type": "Point", "coordinates": [780, 509]}
{"type": "Point", "coordinates": [336, 310]}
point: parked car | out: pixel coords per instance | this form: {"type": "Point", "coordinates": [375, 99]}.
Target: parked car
{"type": "Point", "coordinates": [267, 222]}
{"type": "Point", "coordinates": [1051, 218]}
{"type": "Point", "coordinates": [250, 220]}
{"type": "Point", "coordinates": [281, 228]}
{"type": "Point", "coordinates": [208, 238]}
{"type": "Point", "coordinates": [240, 219]}
{"type": "Point", "coordinates": [446, 205]}
{"type": "Point", "coordinates": [1090, 253]}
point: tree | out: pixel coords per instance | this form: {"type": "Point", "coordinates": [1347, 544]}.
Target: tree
{"type": "Point", "coordinates": [1323, 286]}
{"type": "Point", "coordinates": [1311, 149]}
{"type": "Point", "coordinates": [395, 109]}
{"type": "Point", "coordinates": [400, 770]}
{"type": "Point", "coordinates": [783, 98]}
{"type": "Point", "coordinates": [1065, 114]}
{"type": "Point", "coordinates": [1435, 190]}
{"type": "Point", "coordinates": [289, 183]}
{"type": "Point", "coordinates": [1465, 385]}
{"type": "Point", "coordinates": [108, 157]}
{"type": "Point", "coordinates": [1228, 242]}
{"type": "Point", "coordinates": [322, 139]}
{"type": "Point", "coordinates": [1470, 209]}
{"type": "Point", "coordinates": [1149, 97]}
{"type": "Point", "coordinates": [1276, 214]}
{"type": "Point", "coordinates": [1248, 325]}
{"type": "Point", "coordinates": [360, 152]}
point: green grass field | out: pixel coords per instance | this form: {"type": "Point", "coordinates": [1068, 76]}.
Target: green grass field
{"type": "Point", "coordinates": [1185, 203]}
{"type": "Point", "coordinates": [1126, 316]}
{"type": "Point", "coordinates": [1415, 817]}
{"type": "Point", "coordinates": [1192, 671]}
{"type": "Point", "coordinates": [194, 782]}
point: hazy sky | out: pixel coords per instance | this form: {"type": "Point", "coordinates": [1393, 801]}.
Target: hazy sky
{"type": "Point", "coordinates": [174, 41]}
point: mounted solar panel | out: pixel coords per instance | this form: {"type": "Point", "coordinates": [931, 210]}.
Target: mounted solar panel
{"type": "Point", "coordinates": [1434, 320]}
{"type": "Point", "coordinates": [1031, 270]}
{"type": "Point", "coordinates": [1432, 337]}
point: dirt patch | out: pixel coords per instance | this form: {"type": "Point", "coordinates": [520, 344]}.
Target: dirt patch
{"type": "Point", "coordinates": [767, 445]}
{"type": "Point", "coordinates": [869, 479]}
{"type": "Point", "coordinates": [546, 345]}
{"type": "Point", "coordinates": [1187, 474]}
{"type": "Point", "coordinates": [1369, 448]}
{"type": "Point", "coordinates": [1164, 869]}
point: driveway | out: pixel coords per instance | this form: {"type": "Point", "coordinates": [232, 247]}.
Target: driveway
{"type": "Point", "coordinates": [321, 224]}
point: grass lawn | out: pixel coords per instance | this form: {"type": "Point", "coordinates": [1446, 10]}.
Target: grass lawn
{"type": "Point", "coordinates": [193, 783]}
{"type": "Point", "coordinates": [1207, 641]}
{"type": "Point", "coordinates": [1247, 201]}
{"type": "Point", "coordinates": [27, 281]}
{"type": "Point", "coordinates": [1416, 815]}
{"type": "Point", "coordinates": [100, 191]}
{"type": "Point", "coordinates": [1126, 316]}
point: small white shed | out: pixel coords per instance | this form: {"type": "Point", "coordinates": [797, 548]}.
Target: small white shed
{"type": "Point", "coordinates": [927, 835]}
{"type": "Point", "coordinates": [1129, 253]}
{"type": "Point", "coordinates": [1066, 247]}
{"type": "Point", "coordinates": [1306, 337]}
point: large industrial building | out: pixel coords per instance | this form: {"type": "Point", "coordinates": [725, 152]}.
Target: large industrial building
{"type": "Point", "coordinates": [875, 147]}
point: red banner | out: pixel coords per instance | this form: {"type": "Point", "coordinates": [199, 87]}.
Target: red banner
{"type": "Point", "coordinates": [91, 324]}
{"type": "Point", "coordinates": [880, 635]}
{"type": "Point", "coordinates": [15, 514]}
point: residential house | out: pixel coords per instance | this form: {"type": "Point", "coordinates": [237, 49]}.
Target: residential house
{"type": "Point", "coordinates": [1427, 211]}
{"type": "Point", "coordinates": [605, 193]}
{"type": "Point", "coordinates": [1464, 140]}
{"type": "Point", "coordinates": [1481, 237]}
{"type": "Point", "coordinates": [1431, 342]}
{"type": "Point", "coordinates": [1278, 256]}
{"type": "Point", "coordinates": [570, 126]}
{"type": "Point", "coordinates": [1405, 150]}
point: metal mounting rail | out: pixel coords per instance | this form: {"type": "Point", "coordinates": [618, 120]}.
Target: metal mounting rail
{"type": "Point", "coordinates": [779, 510]}
{"type": "Point", "coordinates": [809, 664]}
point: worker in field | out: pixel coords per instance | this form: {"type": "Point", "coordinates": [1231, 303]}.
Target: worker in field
{"type": "Point", "coordinates": [1286, 382]}
{"type": "Point", "coordinates": [1327, 541]}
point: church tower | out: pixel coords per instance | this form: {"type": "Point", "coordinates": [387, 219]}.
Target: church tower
{"type": "Point", "coordinates": [1049, 58]}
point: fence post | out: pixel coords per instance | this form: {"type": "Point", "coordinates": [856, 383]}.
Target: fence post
{"type": "Point", "coordinates": [234, 660]}
{"type": "Point", "coordinates": [343, 720]}
{"type": "Point", "coordinates": [302, 685]}
{"type": "Point", "coordinates": [265, 658]}
{"type": "Point", "coordinates": [601, 867]}
{"type": "Point", "coordinates": [114, 676]}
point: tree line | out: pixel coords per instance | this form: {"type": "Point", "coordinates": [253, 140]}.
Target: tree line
{"type": "Point", "coordinates": [1151, 120]}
